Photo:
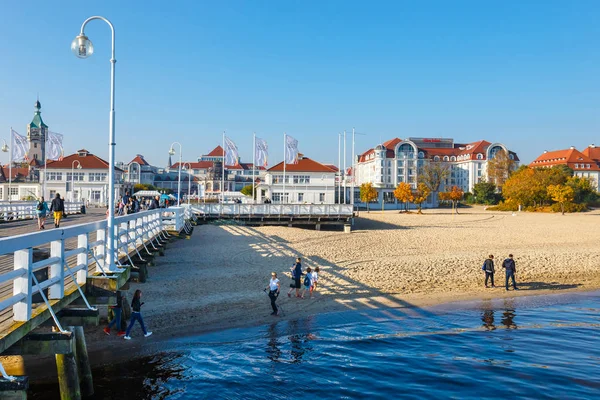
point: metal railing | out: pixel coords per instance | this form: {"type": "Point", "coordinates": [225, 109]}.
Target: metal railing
{"type": "Point", "coordinates": [324, 210]}
{"type": "Point", "coordinates": [19, 210]}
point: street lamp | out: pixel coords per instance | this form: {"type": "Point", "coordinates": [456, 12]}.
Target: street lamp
{"type": "Point", "coordinates": [189, 180]}
{"type": "Point", "coordinates": [82, 48]}
{"type": "Point", "coordinates": [73, 178]}
{"type": "Point", "coordinates": [172, 153]}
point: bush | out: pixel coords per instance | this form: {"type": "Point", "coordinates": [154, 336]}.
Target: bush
{"type": "Point", "coordinates": [507, 205]}
{"type": "Point", "coordinates": [569, 207]}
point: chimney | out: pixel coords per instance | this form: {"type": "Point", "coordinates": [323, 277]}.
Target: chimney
{"type": "Point", "coordinates": [545, 151]}
{"type": "Point", "coordinates": [593, 146]}
{"type": "Point", "coordinates": [572, 147]}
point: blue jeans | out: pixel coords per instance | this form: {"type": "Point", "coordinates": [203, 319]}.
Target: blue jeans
{"type": "Point", "coordinates": [117, 319]}
{"type": "Point", "coordinates": [135, 316]}
{"type": "Point", "coordinates": [510, 275]}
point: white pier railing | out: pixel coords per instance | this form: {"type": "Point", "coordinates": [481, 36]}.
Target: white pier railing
{"type": "Point", "coordinates": [249, 210]}
{"type": "Point", "coordinates": [18, 210]}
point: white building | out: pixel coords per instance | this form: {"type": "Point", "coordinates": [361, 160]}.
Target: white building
{"type": "Point", "coordinates": [585, 164]}
{"type": "Point", "coordinates": [305, 182]}
{"type": "Point", "coordinates": [396, 161]}
{"type": "Point", "coordinates": [82, 176]}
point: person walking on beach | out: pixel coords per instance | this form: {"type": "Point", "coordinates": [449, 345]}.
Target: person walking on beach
{"type": "Point", "coordinates": [488, 267]}
{"type": "Point", "coordinates": [117, 309]}
{"type": "Point", "coordinates": [58, 208]}
{"type": "Point", "coordinates": [511, 269]}
{"type": "Point", "coordinates": [273, 288]}
{"type": "Point", "coordinates": [136, 315]}
{"type": "Point", "coordinates": [308, 283]}
{"type": "Point", "coordinates": [315, 278]}
{"type": "Point", "coordinates": [42, 212]}
{"type": "Point", "coordinates": [296, 276]}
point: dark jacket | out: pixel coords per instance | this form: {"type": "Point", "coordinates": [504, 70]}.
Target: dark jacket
{"type": "Point", "coordinates": [154, 205]}
{"type": "Point", "coordinates": [509, 265]}
{"type": "Point", "coordinates": [297, 271]}
{"type": "Point", "coordinates": [57, 205]}
{"type": "Point", "coordinates": [136, 305]}
{"type": "Point", "coordinates": [489, 265]}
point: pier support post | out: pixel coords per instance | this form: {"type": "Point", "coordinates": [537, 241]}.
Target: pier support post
{"type": "Point", "coordinates": [14, 390]}
{"type": "Point", "coordinates": [68, 376]}
{"type": "Point", "coordinates": [347, 228]}
{"type": "Point", "coordinates": [83, 361]}
{"type": "Point", "coordinates": [318, 227]}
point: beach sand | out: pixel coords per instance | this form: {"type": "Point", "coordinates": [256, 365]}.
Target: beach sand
{"type": "Point", "coordinates": [215, 280]}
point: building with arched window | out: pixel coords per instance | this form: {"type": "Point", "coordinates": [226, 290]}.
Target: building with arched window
{"type": "Point", "coordinates": [395, 161]}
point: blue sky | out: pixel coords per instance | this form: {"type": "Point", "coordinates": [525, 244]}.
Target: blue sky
{"type": "Point", "coordinates": [524, 73]}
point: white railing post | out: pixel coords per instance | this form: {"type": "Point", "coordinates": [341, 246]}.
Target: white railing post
{"type": "Point", "coordinates": [57, 249]}
{"type": "Point", "coordinates": [82, 258]}
{"type": "Point", "coordinates": [22, 284]}
{"type": "Point", "coordinates": [100, 251]}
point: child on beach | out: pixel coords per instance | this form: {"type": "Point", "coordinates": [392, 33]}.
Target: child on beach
{"type": "Point", "coordinates": [136, 315]}
{"type": "Point", "coordinates": [117, 309]}
{"type": "Point", "coordinates": [315, 278]}
{"type": "Point", "coordinates": [273, 292]}
{"type": "Point", "coordinates": [308, 283]}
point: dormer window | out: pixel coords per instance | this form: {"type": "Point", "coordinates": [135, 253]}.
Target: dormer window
{"type": "Point", "coordinates": [452, 158]}
{"type": "Point", "coordinates": [480, 156]}
{"type": "Point", "coordinates": [436, 158]}
{"type": "Point", "coordinates": [421, 154]}
{"type": "Point", "coordinates": [446, 158]}
{"type": "Point", "coordinates": [511, 156]}
{"type": "Point", "coordinates": [576, 165]}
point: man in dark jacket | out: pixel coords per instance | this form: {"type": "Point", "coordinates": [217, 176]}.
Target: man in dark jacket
{"type": "Point", "coordinates": [58, 208]}
{"type": "Point", "coordinates": [511, 269]}
{"type": "Point", "coordinates": [296, 276]}
{"type": "Point", "coordinates": [154, 204]}
{"type": "Point", "coordinates": [488, 267]}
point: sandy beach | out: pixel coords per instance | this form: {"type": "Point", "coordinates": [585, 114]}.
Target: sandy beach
{"type": "Point", "coordinates": [215, 280]}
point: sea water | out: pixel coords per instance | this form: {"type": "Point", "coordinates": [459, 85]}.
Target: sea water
{"type": "Point", "coordinates": [527, 347]}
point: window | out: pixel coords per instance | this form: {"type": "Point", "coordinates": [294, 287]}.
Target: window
{"type": "Point", "coordinates": [301, 179]}
{"type": "Point", "coordinates": [279, 179]}
{"type": "Point", "coordinates": [77, 177]}
{"type": "Point", "coordinates": [14, 191]}
{"type": "Point", "coordinates": [480, 156]}
{"type": "Point", "coordinates": [98, 176]}
{"type": "Point", "coordinates": [35, 145]}
{"type": "Point", "coordinates": [54, 176]}
{"type": "Point", "coordinates": [421, 154]}
{"type": "Point", "coordinates": [446, 158]}
{"type": "Point", "coordinates": [96, 196]}
{"type": "Point", "coordinates": [321, 197]}
{"type": "Point", "coordinates": [576, 165]}
{"type": "Point", "coordinates": [278, 197]}
{"type": "Point", "coordinates": [587, 166]}
{"type": "Point", "coordinates": [52, 194]}
{"type": "Point", "coordinates": [436, 158]}
{"type": "Point", "coordinates": [388, 197]}
{"type": "Point", "coordinates": [511, 156]}
{"type": "Point", "coordinates": [452, 158]}
{"type": "Point", "coordinates": [300, 196]}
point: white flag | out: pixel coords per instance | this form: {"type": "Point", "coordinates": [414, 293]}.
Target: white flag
{"type": "Point", "coordinates": [291, 150]}
{"type": "Point", "coordinates": [54, 146]}
{"type": "Point", "coordinates": [261, 152]}
{"type": "Point", "coordinates": [231, 152]}
{"type": "Point", "coordinates": [19, 147]}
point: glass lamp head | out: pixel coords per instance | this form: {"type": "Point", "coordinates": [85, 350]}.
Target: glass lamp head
{"type": "Point", "coordinates": [79, 166]}
{"type": "Point", "coordinates": [171, 152]}
{"type": "Point", "coordinates": [82, 47]}
{"type": "Point", "coordinates": [5, 148]}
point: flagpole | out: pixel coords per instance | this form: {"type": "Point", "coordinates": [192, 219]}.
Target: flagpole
{"type": "Point", "coordinates": [12, 144]}
{"type": "Point", "coordinates": [344, 166]}
{"type": "Point", "coordinates": [284, 155]}
{"type": "Point", "coordinates": [223, 173]}
{"type": "Point", "coordinates": [45, 164]}
{"type": "Point", "coordinates": [339, 183]}
{"type": "Point", "coordinates": [353, 172]}
{"type": "Point", "coordinates": [253, 164]}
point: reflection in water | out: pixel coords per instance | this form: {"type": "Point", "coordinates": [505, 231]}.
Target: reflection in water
{"type": "Point", "coordinates": [508, 319]}
{"type": "Point", "coordinates": [273, 350]}
{"type": "Point", "coordinates": [300, 338]}
{"type": "Point", "coordinates": [488, 320]}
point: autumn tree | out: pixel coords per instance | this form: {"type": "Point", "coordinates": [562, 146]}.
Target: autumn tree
{"type": "Point", "coordinates": [368, 193]}
{"type": "Point", "coordinates": [403, 193]}
{"type": "Point", "coordinates": [499, 168]}
{"type": "Point", "coordinates": [454, 196]}
{"type": "Point", "coordinates": [419, 196]}
{"type": "Point", "coordinates": [561, 194]}
{"type": "Point", "coordinates": [433, 174]}
{"type": "Point", "coordinates": [247, 190]}
{"type": "Point", "coordinates": [583, 189]}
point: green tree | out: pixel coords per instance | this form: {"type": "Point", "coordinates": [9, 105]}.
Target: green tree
{"type": "Point", "coordinates": [562, 194]}
{"type": "Point", "coordinates": [485, 193]}
{"type": "Point", "coordinates": [247, 190]}
{"type": "Point", "coordinates": [368, 193]}
{"type": "Point", "coordinates": [583, 190]}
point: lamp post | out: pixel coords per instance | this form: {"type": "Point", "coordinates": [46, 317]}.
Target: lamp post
{"type": "Point", "coordinates": [5, 149]}
{"type": "Point", "coordinates": [73, 178]}
{"type": "Point", "coordinates": [82, 48]}
{"type": "Point", "coordinates": [189, 180]}
{"type": "Point", "coordinates": [172, 153]}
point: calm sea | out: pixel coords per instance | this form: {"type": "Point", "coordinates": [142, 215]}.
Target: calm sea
{"type": "Point", "coordinates": [534, 347]}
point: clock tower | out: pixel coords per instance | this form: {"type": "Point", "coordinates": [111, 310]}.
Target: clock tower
{"type": "Point", "coordinates": [37, 131]}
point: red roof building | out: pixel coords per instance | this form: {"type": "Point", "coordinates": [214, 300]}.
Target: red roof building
{"type": "Point", "coordinates": [582, 164]}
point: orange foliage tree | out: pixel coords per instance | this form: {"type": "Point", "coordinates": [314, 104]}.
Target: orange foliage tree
{"type": "Point", "coordinates": [403, 193]}
{"type": "Point", "coordinates": [419, 196]}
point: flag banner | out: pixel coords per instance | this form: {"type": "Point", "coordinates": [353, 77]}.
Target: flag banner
{"type": "Point", "coordinates": [54, 146]}
{"type": "Point", "coordinates": [231, 152]}
{"type": "Point", "coordinates": [19, 147]}
{"type": "Point", "coordinates": [261, 152]}
{"type": "Point", "coordinates": [291, 150]}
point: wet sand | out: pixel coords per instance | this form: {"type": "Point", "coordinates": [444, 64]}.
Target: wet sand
{"type": "Point", "coordinates": [214, 281]}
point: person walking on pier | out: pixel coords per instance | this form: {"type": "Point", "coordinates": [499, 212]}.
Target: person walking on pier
{"type": "Point", "coordinates": [273, 288]}
{"type": "Point", "coordinates": [155, 203]}
{"type": "Point", "coordinates": [42, 212]}
{"type": "Point", "coordinates": [511, 269]}
{"type": "Point", "coordinates": [296, 276]}
{"type": "Point", "coordinates": [136, 315]}
{"type": "Point", "coordinates": [488, 267]}
{"type": "Point", "coordinates": [58, 208]}
{"type": "Point", "coordinates": [117, 309]}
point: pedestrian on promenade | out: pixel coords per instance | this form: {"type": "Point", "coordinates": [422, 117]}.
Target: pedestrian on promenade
{"type": "Point", "coordinates": [42, 212]}
{"type": "Point", "coordinates": [488, 267]}
{"type": "Point", "coordinates": [155, 203]}
{"type": "Point", "coordinates": [118, 311]}
{"type": "Point", "coordinates": [58, 208]}
{"type": "Point", "coordinates": [136, 204]}
{"type": "Point", "coordinates": [308, 283]}
{"type": "Point", "coordinates": [511, 269]}
{"type": "Point", "coordinates": [315, 278]}
{"type": "Point", "coordinates": [273, 288]}
{"type": "Point", "coordinates": [136, 315]}
{"type": "Point", "coordinates": [296, 276]}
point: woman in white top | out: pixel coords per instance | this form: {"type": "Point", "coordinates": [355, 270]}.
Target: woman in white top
{"type": "Point", "coordinates": [273, 292]}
